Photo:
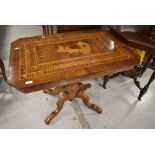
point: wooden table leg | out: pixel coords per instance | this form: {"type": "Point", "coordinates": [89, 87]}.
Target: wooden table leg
{"type": "Point", "coordinates": [144, 90]}
{"type": "Point", "coordinates": [59, 107]}
{"type": "Point", "coordinates": [70, 92]}
{"type": "Point", "coordinates": [85, 100]}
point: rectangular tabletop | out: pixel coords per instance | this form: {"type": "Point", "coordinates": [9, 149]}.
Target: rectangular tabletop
{"type": "Point", "coordinates": [42, 62]}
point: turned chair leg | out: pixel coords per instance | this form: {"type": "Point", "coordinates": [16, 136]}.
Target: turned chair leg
{"type": "Point", "coordinates": [137, 83]}
{"type": "Point", "coordinates": [144, 90]}
{"type": "Point", "coordinates": [147, 63]}
{"type": "Point", "coordinates": [105, 81]}
{"type": "Point", "coordinates": [108, 77]}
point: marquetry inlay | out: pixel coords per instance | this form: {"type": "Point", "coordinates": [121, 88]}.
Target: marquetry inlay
{"type": "Point", "coordinates": [40, 60]}
{"type": "Point", "coordinates": [63, 56]}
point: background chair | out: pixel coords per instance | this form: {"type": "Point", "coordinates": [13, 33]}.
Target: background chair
{"type": "Point", "coordinates": [139, 37]}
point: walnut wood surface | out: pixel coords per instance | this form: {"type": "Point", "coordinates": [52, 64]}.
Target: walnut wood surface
{"type": "Point", "coordinates": [42, 62]}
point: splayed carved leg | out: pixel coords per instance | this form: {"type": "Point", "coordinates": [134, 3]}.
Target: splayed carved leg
{"type": "Point", "coordinates": [85, 100]}
{"type": "Point", "coordinates": [59, 107]}
{"type": "Point", "coordinates": [70, 92]}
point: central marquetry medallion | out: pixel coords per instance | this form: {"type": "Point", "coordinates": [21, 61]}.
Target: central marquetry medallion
{"type": "Point", "coordinates": [78, 47]}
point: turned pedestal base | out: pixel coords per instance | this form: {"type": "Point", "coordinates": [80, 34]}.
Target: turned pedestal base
{"type": "Point", "coordinates": [69, 92]}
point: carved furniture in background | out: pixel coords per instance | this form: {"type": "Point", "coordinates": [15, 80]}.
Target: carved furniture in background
{"type": "Point", "coordinates": [58, 63]}
{"type": "Point", "coordinates": [53, 29]}
{"type": "Point", "coordinates": [140, 37]}
{"type": "Point", "coordinates": [2, 69]}
{"type": "Point", "coordinates": [49, 29]}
